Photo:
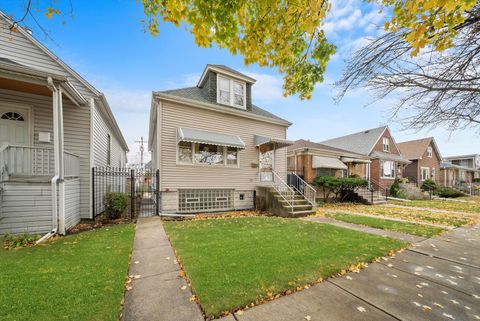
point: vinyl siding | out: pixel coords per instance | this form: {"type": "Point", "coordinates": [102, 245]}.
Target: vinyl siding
{"type": "Point", "coordinates": [245, 177]}
{"type": "Point", "coordinates": [76, 132]}
{"type": "Point", "coordinates": [100, 143]}
{"type": "Point", "coordinates": [72, 203]}
{"type": "Point", "coordinates": [19, 48]}
{"type": "Point", "coordinates": [26, 208]}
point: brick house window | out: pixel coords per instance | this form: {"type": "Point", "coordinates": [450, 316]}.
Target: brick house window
{"type": "Point", "coordinates": [386, 144]}
{"type": "Point", "coordinates": [387, 169]}
{"type": "Point", "coordinates": [425, 173]}
{"type": "Point", "coordinates": [429, 152]}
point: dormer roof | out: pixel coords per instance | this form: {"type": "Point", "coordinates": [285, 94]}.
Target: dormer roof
{"type": "Point", "coordinates": [226, 71]}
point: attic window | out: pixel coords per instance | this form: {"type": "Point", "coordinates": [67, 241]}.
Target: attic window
{"type": "Point", "coordinates": [231, 92]}
{"type": "Point", "coordinates": [429, 151]}
{"type": "Point", "coordinates": [386, 144]}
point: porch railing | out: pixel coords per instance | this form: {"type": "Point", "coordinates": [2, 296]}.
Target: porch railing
{"type": "Point", "coordinates": [283, 189]}
{"type": "Point", "coordinates": [308, 192]}
{"type": "Point", "coordinates": [27, 161]}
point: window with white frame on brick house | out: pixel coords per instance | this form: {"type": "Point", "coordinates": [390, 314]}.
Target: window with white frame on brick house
{"type": "Point", "coordinates": [386, 144]}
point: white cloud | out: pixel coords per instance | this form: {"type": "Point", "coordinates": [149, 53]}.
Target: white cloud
{"type": "Point", "coordinates": [267, 87]}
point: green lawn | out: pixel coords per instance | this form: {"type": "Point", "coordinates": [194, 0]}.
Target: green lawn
{"type": "Point", "coordinates": [233, 262]}
{"type": "Point", "coordinates": [443, 205]}
{"type": "Point", "coordinates": [79, 277]}
{"type": "Point", "coordinates": [390, 225]}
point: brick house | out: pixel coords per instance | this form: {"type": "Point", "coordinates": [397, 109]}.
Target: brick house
{"type": "Point", "coordinates": [425, 160]}
{"type": "Point", "coordinates": [387, 161]}
{"type": "Point", "coordinates": [309, 160]}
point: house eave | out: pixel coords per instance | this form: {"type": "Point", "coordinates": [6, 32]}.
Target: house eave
{"type": "Point", "coordinates": [223, 72]}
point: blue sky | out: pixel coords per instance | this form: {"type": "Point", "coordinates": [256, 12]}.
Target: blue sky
{"type": "Point", "coordinates": [105, 43]}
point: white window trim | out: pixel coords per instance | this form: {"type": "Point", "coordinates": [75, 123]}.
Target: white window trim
{"type": "Point", "coordinates": [394, 171]}
{"type": "Point", "coordinates": [387, 140]}
{"type": "Point", "coordinates": [194, 163]}
{"type": "Point", "coordinates": [421, 173]}
{"type": "Point", "coordinates": [232, 94]}
{"type": "Point", "coordinates": [429, 151]}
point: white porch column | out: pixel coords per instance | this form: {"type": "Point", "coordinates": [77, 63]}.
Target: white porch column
{"type": "Point", "coordinates": [61, 183]}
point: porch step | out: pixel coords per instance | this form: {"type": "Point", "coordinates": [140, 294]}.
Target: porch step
{"type": "Point", "coordinates": [302, 213]}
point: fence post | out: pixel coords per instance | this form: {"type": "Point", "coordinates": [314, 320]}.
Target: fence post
{"type": "Point", "coordinates": [386, 194]}
{"type": "Point", "coordinates": [93, 193]}
{"type": "Point", "coordinates": [157, 188]}
{"type": "Point", "coordinates": [132, 193]}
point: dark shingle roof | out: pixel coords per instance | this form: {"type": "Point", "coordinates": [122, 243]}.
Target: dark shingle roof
{"type": "Point", "coordinates": [197, 94]}
{"type": "Point", "coordinates": [226, 68]}
{"type": "Point", "coordinates": [302, 143]}
{"type": "Point", "coordinates": [361, 142]}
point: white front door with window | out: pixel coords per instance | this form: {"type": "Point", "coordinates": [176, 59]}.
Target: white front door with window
{"type": "Point", "coordinates": [15, 126]}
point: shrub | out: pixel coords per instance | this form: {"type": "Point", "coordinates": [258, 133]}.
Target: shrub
{"type": "Point", "coordinates": [395, 188]}
{"type": "Point", "coordinates": [449, 192]}
{"type": "Point", "coordinates": [429, 185]}
{"type": "Point", "coordinates": [476, 180]}
{"type": "Point", "coordinates": [341, 187]}
{"type": "Point", "coordinates": [16, 241]}
{"type": "Point", "coordinates": [115, 204]}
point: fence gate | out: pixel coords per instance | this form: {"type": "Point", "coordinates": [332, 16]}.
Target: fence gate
{"type": "Point", "coordinates": [139, 185]}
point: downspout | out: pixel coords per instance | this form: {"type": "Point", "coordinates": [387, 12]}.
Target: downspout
{"type": "Point", "coordinates": [56, 176]}
{"type": "Point", "coordinates": [61, 167]}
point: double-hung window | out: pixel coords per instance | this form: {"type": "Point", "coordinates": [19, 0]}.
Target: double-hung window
{"type": "Point", "coordinates": [231, 92]}
{"type": "Point", "coordinates": [387, 169]}
{"type": "Point", "coordinates": [429, 152]}
{"type": "Point", "coordinates": [386, 144]}
{"type": "Point", "coordinates": [425, 173]}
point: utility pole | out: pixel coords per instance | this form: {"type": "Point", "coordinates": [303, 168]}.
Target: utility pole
{"type": "Point", "coordinates": [142, 149]}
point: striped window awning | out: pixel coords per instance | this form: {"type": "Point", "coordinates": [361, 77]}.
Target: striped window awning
{"type": "Point", "coordinates": [205, 137]}
{"type": "Point", "coordinates": [328, 162]}
{"type": "Point", "coordinates": [272, 141]}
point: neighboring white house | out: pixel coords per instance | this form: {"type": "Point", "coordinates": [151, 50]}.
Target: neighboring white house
{"type": "Point", "coordinates": [214, 148]}
{"type": "Point", "coordinates": [54, 127]}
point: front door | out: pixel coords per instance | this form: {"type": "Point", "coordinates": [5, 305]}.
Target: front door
{"type": "Point", "coordinates": [266, 166]}
{"type": "Point", "coordinates": [14, 126]}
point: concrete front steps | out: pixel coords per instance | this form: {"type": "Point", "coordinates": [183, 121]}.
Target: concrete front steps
{"type": "Point", "coordinates": [366, 196]}
{"type": "Point", "coordinates": [300, 207]}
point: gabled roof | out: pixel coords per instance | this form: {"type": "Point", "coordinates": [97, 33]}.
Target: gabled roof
{"type": "Point", "coordinates": [69, 70]}
{"type": "Point", "coordinates": [415, 149]}
{"type": "Point", "coordinates": [222, 69]}
{"type": "Point", "coordinates": [361, 143]}
{"type": "Point", "coordinates": [302, 143]}
{"type": "Point", "coordinates": [197, 94]}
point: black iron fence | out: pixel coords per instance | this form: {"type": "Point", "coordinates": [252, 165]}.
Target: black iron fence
{"type": "Point", "coordinates": [140, 185]}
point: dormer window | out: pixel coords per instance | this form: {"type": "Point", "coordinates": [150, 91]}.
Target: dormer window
{"type": "Point", "coordinates": [231, 92]}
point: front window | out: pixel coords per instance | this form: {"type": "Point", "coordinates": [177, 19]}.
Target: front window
{"type": "Point", "coordinates": [331, 172]}
{"type": "Point", "coordinates": [185, 152]}
{"type": "Point", "coordinates": [425, 173]}
{"type": "Point", "coordinates": [232, 156]}
{"type": "Point", "coordinates": [429, 151]}
{"type": "Point", "coordinates": [387, 169]}
{"type": "Point", "coordinates": [434, 173]}
{"type": "Point", "coordinates": [386, 144]}
{"type": "Point", "coordinates": [208, 154]}
{"type": "Point", "coordinates": [231, 92]}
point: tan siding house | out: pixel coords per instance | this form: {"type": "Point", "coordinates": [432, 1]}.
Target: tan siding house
{"type": "Point", "coordinates": [211, 154]}
{"type": "Point", "coordinates": [52, 122]}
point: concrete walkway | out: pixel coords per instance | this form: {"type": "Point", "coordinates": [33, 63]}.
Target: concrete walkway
{"type": "Point", "coordinates": [438, 279]}
{"type": "Point", "coordinates": [157, 292]}
{"type": "Point", "coordinates": [396, 235]}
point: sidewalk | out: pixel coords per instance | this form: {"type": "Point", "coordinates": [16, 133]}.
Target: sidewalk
{"type": "Point", "coordinates": [157, 292]}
